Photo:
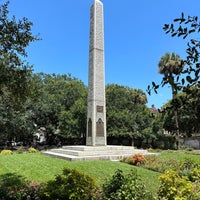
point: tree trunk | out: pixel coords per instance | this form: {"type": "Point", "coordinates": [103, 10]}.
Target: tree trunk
{"type": "Point", "coordinates": [174, 93]}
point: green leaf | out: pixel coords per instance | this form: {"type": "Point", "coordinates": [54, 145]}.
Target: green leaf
{"type": "Point", "coordinates": [174, 34]}
{"type": "Point", "coordinates": [191, 31]}
{"type": "Point", "coordinates": [189, 79]}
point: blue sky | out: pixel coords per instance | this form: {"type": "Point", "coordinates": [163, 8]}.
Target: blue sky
{"type": "Point", "coordinates": [134, 39]}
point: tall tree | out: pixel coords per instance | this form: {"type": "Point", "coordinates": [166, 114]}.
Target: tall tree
{"type": "Point", "coordinates": [186, 27]}
{"type": "Point", "coordinates": [127, 114]}
{"type": "Point", "coordinates": [189, 109]}
{"type": "Point", "coordinates": [171, 65]}
{"type": "Point", "coordinates": [15, 73]}
{"type": "Point", "coordinates": [61, 104]}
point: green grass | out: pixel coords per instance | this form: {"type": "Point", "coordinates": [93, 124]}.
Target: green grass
{"type": "Point", "coordinates": [181, 155]}
{"type": "Point", "coordinates": [35, 166]}
{"type": "Point", "coordinates": [38, 167]}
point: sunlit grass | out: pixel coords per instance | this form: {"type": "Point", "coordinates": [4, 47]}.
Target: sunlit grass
{"type": "Point", "coordinates": [35, 166]}
{"type": "Point", "coordinates": [38, 167]}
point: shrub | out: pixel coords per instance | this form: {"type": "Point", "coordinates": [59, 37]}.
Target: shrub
{"type": "Point", "coordinates": [114, 184]}
{"type": "Point", "coordinates": [153, 163]}
{"type": "Point", "coordinates": [20, 150]}
{"type": "Point", "coordinates": [125, 160]}
{"type": "Point", "coordinates": [175, 186]}
{"type": "Point", "coordinates": [137, 159]}
{"type": "Point", "coordinates": [32, 150]}
{"type": "Point", "coordinates": [6, 152]}
{"type": "Point", "coordinates": [15, 187]}
{"type": "Point", "coordinates": [72, 184]}
{"type": "Point", "coordinates": [194, 176]}
{"type": "Point", "coordinates": [125, 187]}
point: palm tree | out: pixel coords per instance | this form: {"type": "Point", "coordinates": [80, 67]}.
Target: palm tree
{"type": "Point", "coordinates": [171, 65]}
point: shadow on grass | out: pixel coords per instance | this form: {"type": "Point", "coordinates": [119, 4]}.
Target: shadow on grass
{"type": "Point", "coordinates": [12, 181]}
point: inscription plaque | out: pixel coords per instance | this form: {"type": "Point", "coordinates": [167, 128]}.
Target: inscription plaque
{"type": "Point", "coordinates": [100, 109]}
{"type": "Point", "coordinates": [100, 128]}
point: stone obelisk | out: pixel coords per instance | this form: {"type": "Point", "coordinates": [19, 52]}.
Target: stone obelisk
{"type": "Point", "coordinates": [96, 116]}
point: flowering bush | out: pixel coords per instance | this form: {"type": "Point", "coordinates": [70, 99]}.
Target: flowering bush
{"type": "Point", "coordinates": [32, 150]}
{"type": "Point", "coordinates": [14, 187]}
{"type": "Point", "coordinates": [175, 186]}
{"type": "Point", "coordinates": [137, 159]}
{"type": "Point", "coordinates": [30, 191]}
{"type": "Point", "coordinates": [6, 152]}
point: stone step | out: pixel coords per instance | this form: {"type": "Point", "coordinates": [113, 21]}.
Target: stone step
{"type": "Point", "coordinates": [83, 158]}
{"type": "Point", "coordinates": [99, 152]}
{"type": "Point", "coordinates": [78, 153]}
{"type": "Point", "coordinates": [98, 148]}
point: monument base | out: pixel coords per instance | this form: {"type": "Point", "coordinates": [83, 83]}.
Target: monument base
{"type": "Point", "coordinates": [98, 141]}
{"type": "Point", "coordinates": [81, 153]}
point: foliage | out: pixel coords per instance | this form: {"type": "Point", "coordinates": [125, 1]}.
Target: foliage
{"type": "Point", "coordinates": [175, 161]}
{"type": "Point", "coordinates": [174, 186]}
{"type": "Point", "coordinates": [15, 187]}
{"type": "Point", "coordinates": [15, 74]}
{"type": "Point", "coordinates": [185, 27]}
{"type": "Point", "coordinates": [61, 105]}
{"type": "Point", "coordinates": [188, 78]}
{"type": "Point", "coordinates": [20, 150]}
{"type": "Point", "coordinates": [189, 108]}
{"type": "Point", "coordinates": [72, 184]}
{"type": "Point", "coordinates": [32, 150]}
{"type": "Point", "coordinates": [15, 36]}
{"type": "Point", "coordinates": [6, 152]}
{"type": "Point", "coordinates": [15, 124]}
{"type": "Point", "coordinates": [57, 102]}
{"type": "Point", "coordinates": [155, 163]}
{"type": "Point", "coordinates": [127, 113]}
{"type": "Point", "coordinates": [125, 187]}
{"type": "Point", "coordinates": [171, 65]}
{"type": "Point", "coordinates": [137, 159]}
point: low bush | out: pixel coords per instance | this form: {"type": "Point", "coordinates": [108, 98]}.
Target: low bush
{"type": "Point", "coordinates": [6, 152]}
{"type": "Point", "coordinates": [32, 150]}
{"type": "Point", "coordinates": [72, 184]}
{"type": "Point", "coordinates": [20, 150]}
{"type": "Point", "coordinates": [175, 186]}
{"type": "Point", "coordinates": [137, 159]}
{"type": "Point", "coordinates": [125, 187]}
{"type": "Point", "coordinates": [155, 163]}
{"type": "Point", "coordinates": [15, 187]}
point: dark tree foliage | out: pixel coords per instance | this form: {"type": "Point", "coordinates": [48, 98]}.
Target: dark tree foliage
{"type": "Point", "coordinates": [127, 114]}
{"type": "Point", "coordinates": [189, 112]}
{"type": "Point", "coordinates": [15, 74]}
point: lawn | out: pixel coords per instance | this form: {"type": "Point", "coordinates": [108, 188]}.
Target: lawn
{"type": "Point", "coordinates": [35, 166]}
{"type": "Point", "coordinates": [181, 155]}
